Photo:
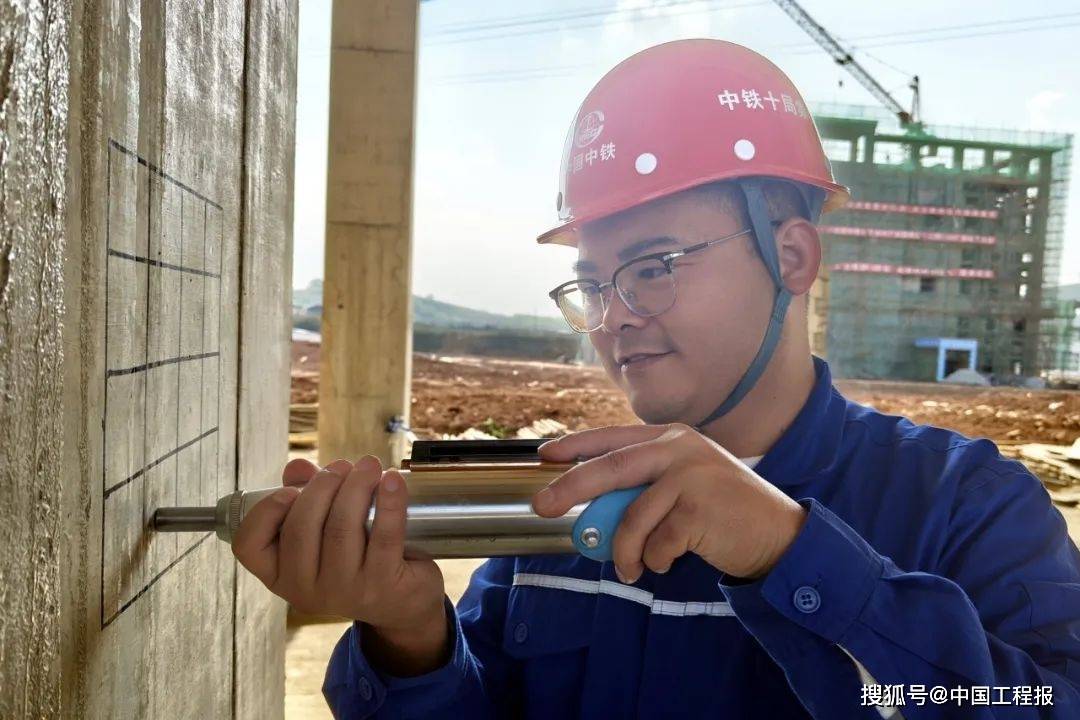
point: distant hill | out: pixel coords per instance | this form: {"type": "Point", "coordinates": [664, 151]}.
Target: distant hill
{"type": "Point", "coordinates": [436, 313]}
{"type": "Point", "coordinates": [429, 311]}
{"type": "Point", "coordinates": [306, 297]}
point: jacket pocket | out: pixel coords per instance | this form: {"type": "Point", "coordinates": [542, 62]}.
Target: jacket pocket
{"type": "Point", "coordinates": [548, 632]}
{"type": "Point", "coordinates": [547, 621]}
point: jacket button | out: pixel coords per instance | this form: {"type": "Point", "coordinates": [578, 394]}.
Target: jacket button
{"type": "Point", "coordinates": [521, 632]}
{"type": "Point", "coordinates": [365, 688]}
{"type": "Point", "coordinates": [807, 599]}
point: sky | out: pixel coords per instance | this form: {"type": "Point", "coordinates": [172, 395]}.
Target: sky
{"type": "Point", "coordinates": [499, 83]}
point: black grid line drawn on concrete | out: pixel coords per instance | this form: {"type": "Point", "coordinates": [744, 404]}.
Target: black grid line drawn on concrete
{"type": "Point", "coordinates": [161, 445]}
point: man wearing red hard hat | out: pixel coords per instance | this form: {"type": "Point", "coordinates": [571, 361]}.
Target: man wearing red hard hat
{"type": "Point", "coordinates": [794, 554]}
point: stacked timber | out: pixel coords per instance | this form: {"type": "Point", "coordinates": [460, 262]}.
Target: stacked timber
{"type": "Point", "coordinates": [1058, 466]}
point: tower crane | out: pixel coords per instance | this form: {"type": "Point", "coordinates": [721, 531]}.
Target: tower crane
{"type": "Point", "coordinates": [844, 58]}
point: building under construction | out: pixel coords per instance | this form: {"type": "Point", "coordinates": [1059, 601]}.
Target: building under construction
{"type": "Point", "coordinates": [947, 255]}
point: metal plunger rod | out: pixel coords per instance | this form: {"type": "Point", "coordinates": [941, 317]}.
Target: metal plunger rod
{"type": "Point", "coordinates": [185, 519]}
{"type": "Point", "coordinates": [465, 511]}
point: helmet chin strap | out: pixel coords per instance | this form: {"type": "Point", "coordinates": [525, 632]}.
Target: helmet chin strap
{"type": "Point", "coordinates": [766, 245]}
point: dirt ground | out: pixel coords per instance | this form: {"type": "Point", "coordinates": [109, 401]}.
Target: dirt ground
{"type": "Point", "coordinates": [451, 394]}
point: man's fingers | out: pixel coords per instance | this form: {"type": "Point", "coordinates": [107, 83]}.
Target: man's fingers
{"type": "Point", "coordinates": [622, 467]}
{"type": "Point", "coordinates": [341, 468]}
{"type": "Point", "coordinates": [344, 532]}
{"type": "Point", "coordinates": [637, 524]}
{"type": "Point", "coordinates": [386, 543]}
{"type": "Point", "coordinates": [255, 543]}
{"type": "Point", "coordinates": [597, 441]}
{"type": "Point", "coordinates": [302, 531]}
{"type": "Point", "coordinates": [668, 541]}
{"type": "Point", "coordinates": [298, 473]}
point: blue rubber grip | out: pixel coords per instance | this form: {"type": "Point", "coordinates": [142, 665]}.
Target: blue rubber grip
{"type": "Point", "coordinates": [604, 515]}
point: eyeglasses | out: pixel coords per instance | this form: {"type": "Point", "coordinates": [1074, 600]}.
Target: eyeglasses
{"type": "Point", "coordinates": [646, 284]}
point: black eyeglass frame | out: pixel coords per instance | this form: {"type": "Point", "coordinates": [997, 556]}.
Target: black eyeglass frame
{"type": "Point", "coordinates": [667, 257]}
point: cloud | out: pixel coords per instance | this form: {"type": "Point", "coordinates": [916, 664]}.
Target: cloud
{"type": "Point", "coordinates": [668, 17]}
{"type": "Point", "coordinates": [659, 20]}
{"type": "Point", "coordinates": [1042, 110]}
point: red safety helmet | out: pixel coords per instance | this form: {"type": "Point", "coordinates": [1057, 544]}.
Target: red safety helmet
{"type": "Point", "coordinates": [679, 115]}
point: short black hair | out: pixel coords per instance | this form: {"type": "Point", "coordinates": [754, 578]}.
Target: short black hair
{"type": "Point", "coordinates": [782, 199]}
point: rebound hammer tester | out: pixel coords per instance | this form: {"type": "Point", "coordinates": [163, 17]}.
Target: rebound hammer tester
{"type": "Point", "coordinates": [468, 499]}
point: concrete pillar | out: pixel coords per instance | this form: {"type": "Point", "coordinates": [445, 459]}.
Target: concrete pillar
{"type": "Point", "coordinates": [366, 325]}
{"type": "Point", "coordinates": [145, 218]}
{"type": "Point", "coordinates": [265, 332]}
{"type": "Point", "coordinates": [33, 203]}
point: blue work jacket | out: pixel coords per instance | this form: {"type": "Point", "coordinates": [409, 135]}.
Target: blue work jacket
{"type": "Point", "coordinates": [927, 561]}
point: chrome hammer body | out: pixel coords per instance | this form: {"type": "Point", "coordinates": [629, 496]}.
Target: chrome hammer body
{"type": "Point", "coordinates": [468, 499]}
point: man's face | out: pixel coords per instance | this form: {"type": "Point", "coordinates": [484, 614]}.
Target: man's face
{"type": "Point", "coordinates": [679, 365]}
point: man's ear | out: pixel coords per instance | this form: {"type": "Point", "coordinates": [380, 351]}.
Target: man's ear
{"type": "Point", "coordinates": [799, 245]}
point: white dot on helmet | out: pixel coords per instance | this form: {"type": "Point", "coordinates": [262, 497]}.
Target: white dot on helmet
{"type": "Point", "coordinates": [645, 163]}
{"type": "Point", "coordinates": [744, 149]}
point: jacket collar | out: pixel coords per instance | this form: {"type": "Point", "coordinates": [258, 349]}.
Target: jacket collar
{"type": "Point", "coordinates": [812, 440]}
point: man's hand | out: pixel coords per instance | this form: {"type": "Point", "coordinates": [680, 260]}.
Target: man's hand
{"type": "Point", "coordinates": [307, 543]}
{"type": "Point", "coordinates": [701, 499]}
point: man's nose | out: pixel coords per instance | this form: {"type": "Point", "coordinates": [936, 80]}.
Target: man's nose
{"type": "Point", "coordinates": [618, 316]}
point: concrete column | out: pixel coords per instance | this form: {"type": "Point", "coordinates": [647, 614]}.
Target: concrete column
{"type": "Point", "coordinates": [264, 334]}
{"type": "Point", "coordinates": [145, 218]}
{"type": "Point", "coordinates": [33, 204]}
{"type": "Point", "coordinates": [366, 325]}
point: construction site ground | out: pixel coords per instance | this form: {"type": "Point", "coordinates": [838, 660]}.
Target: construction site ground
{"type": "Point", "coordinates": [452, 394]}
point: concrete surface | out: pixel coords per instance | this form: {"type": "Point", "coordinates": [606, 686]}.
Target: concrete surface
{"type": "Point", "coordinates": [33, 204]}
{"type": "Point", "coordinates": [265, 329]}
{"type": "Point", "coordinates": [145, 230]}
